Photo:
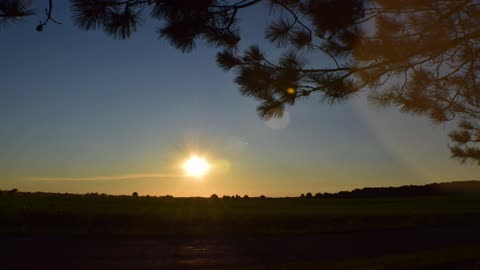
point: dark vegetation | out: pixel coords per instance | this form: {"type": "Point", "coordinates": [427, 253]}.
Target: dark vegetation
{"type": "Point", "coordinates": [435, 189]}
{"type": "Point", "coordinates": [360, 209]}
{"type": "Point", "coordinates": [413, 227]}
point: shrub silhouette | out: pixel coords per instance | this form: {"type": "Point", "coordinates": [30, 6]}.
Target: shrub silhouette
{"type": "Point", "coordinates": [214, 196]}
{"type": "Point", "coordinates": [135, 194]}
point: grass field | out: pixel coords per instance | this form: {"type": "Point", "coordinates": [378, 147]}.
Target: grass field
{"type": "Point", "coordinates": [125, 215]}
{"type": "Point", "coordinates": [124, 232]}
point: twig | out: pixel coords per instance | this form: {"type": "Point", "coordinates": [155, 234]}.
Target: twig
{"type": "Point", "coordinates": [48, 12]}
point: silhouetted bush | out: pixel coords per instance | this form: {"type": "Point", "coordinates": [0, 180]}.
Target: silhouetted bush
{"type": "Point", "coordinates": [92, 195]}
{"type": "Point", "coordinates": [135, 194]}
{"type": "Point", "coordinates": [262, 197]}
{"type": "Point", "coordinates": [214, 196]}
{"type": "Point", "coordinates": [309, 195]}
{"type": "Point", "coordinates": [245, 197]}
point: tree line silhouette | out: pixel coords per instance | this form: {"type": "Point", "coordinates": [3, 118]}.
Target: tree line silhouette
{"type": "Point", "coordinates": [434, 189]}
{"type": "Point", "coordinates": [419, 56]}
{"type": "Point", "coordinates": [460, 187]}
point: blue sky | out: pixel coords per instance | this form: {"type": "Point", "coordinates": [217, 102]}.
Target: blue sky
{"type": "Point", "coordinates": [77, 104]}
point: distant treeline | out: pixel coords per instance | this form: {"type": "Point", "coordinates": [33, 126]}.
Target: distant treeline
{"type": "Point", "coordinates": [458, 187]}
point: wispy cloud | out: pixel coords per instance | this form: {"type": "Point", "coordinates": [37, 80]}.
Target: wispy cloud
{"type": "Point", "coordinates": [107, 177]}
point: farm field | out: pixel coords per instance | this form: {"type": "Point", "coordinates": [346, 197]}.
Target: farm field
{"type": "Point", "coordinates": [54, 231]}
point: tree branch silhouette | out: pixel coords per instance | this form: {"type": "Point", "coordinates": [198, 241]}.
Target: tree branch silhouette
{"type": "Point", "coordinates": [13, 10]}
{"type": "Point", "coordinates": [422, 57]}
{"type": "Point", "coordinates": [48, 13]}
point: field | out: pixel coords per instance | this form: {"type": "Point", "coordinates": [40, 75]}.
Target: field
{"type": "Point", "coordinates": [55, 230]}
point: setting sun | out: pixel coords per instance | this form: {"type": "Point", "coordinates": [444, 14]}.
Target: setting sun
{"type": "Point", "coordinates": [196, 166]}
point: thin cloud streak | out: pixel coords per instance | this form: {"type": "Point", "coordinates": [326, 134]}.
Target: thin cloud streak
{"type": "Point", "coordinates": [107, 178]}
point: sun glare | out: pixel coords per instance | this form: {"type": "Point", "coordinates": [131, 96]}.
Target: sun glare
{"type": "Point", "coordinates": [196, 166]}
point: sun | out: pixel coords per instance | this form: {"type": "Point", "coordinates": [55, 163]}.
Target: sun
{"type": "Point", "coordinates": [196, 166]}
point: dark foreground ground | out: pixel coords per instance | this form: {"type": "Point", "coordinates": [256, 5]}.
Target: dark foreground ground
{"type": "Point", "coordinates": [428, 248]}
{"type": "Point", "coordinates": [52, 231]}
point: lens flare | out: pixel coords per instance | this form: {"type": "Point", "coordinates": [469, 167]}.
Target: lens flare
{"type": "Point", "coordinates": [196, 166]}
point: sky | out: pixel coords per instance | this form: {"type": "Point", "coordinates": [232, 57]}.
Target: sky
{"type": "Point", "coordinates": [81, 112]}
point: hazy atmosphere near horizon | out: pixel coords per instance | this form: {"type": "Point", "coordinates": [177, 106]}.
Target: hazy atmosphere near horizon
{"type": "Point", "coordinates": [81, 112]}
